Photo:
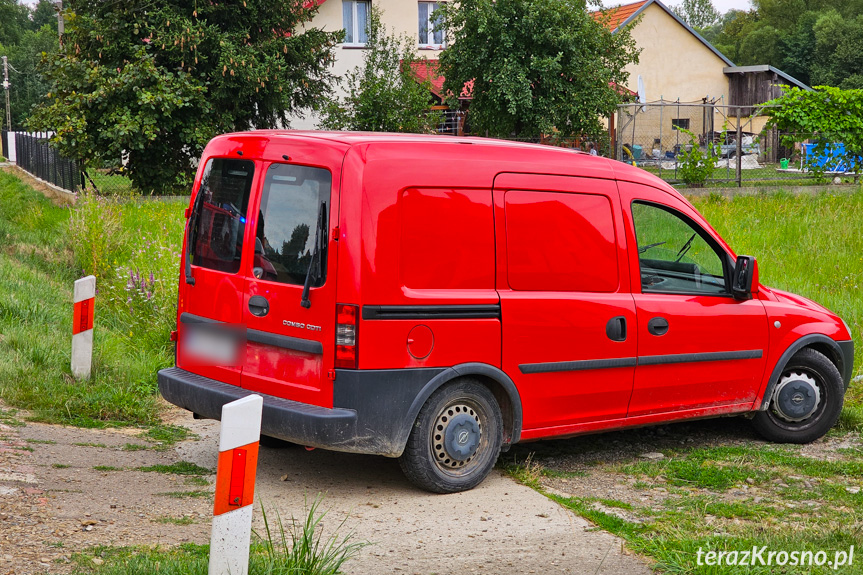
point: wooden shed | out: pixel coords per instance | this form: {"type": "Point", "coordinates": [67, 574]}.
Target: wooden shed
{"type": "Point", "coordinates": [751, 86]}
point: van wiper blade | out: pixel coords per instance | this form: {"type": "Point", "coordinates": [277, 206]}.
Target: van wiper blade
{"type": "Point", "coordinates": [305, 302]}
{"type": "Point", "coordinates": [192, 220]}
{"type": "Point", "coordinates": [685, 248]}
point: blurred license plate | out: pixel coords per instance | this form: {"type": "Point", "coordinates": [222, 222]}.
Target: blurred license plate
{"type": "Point", "coordinates": [212, 344]}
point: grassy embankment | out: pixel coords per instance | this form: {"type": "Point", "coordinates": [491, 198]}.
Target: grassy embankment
{"type": "Point", "coordinates": [43, 249]}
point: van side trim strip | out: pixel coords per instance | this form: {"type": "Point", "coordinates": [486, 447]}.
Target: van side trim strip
{"type": "Point", "coordinates": [478, 311]}
{"type": "Point", "coordinates": [583, 365]}
{"type": "Point", "coordinates": [698, 357]}
{"type": "Point", "coordinates": [264, 337]}
{"type": "Point", "coordinates": [285, 342]}
{"type": "Point", "coordinates": [577, 365]}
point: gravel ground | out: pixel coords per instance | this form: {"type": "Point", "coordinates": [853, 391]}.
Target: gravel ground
{"type": "Point", "coordinates": [54, 503]}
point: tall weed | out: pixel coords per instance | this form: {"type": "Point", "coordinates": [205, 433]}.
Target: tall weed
{"type": "Point", "coordinates": [302, 547]}
{"type": "Point", "coordinates": [96, 234]}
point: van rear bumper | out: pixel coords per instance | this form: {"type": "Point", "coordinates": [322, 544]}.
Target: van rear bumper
{"type": "Point", "coordinates": [301, 423]}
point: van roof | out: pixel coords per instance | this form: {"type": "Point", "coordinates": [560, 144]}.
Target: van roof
{"type": "Point", "coordinates": [573, 162]}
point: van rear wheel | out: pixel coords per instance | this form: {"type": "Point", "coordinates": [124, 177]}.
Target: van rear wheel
{"type": "Point", "coordinates": [455, 440]}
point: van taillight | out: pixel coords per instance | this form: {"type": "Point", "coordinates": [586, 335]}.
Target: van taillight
{"type": "Point", "coordinates": [347, 324]}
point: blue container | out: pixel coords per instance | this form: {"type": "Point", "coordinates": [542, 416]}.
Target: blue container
{"type": "Point", "coordinates": [829, 158]}
{"type": "Point", "coordinates": [636, 152]}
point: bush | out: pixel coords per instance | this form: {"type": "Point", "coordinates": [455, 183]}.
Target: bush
{"type": "Point", "coordinates": [694, 164]}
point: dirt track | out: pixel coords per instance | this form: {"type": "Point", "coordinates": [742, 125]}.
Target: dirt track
{"type": "Point", "coordinates": [54, 503]}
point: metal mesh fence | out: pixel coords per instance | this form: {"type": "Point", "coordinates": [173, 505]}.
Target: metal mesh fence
{"type": "Point", "coordinates": [661, 136]}
{"type": "Point", "coordinates": [34, 155]}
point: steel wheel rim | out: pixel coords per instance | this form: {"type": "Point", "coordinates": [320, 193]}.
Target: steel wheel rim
{"type": "Point", "coordinates": [443, 459]}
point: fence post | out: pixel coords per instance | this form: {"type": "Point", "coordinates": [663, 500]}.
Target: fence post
{"type": "Point", "coordinates": [84, 299]}
{"type": "Point", "coordinates": [739, 152]}
{"type": "Point", "coordinates": [235, 486]}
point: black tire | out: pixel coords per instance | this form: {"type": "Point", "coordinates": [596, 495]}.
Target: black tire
{"type": "Point", "coordinates": [469, 412]}
{"type": "Point", "coordinates": [812, 364]}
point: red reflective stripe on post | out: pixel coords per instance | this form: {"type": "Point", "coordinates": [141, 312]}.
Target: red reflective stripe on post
{"type": "Point", "coordinates": [235, 477]}
{"type": "Point", "coordinates": [238, 475]}
{"type": "Point", "coordinates": [82, 316]}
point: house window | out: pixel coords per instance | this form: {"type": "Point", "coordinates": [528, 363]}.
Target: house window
{"type": "Point", "coordinates": [355, 18]}
{"type": "Point", "coordinates": [431, 29]}
{"type": "Point", "coordinates": [680, 123]}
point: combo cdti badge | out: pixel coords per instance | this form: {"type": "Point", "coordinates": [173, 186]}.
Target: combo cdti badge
{"type": "Point", "coordinates": [439, 299]}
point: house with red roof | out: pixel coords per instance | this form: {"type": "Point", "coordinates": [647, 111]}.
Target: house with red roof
{"type": "Point", "coordinates": [676, 64]}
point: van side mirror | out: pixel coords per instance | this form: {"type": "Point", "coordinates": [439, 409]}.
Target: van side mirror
{"type": "Point", "coordinates": [259, 247]}
{"type": "Point", "coordinates": [745, 276]}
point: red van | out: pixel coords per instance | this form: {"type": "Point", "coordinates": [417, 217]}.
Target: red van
{"type": "Point", "coordinates": [439, 299]}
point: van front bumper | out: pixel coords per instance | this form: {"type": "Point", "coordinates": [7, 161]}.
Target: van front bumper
{"type": "Point", "coordinates": [301, 423]}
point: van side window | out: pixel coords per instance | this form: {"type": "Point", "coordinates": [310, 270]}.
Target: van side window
{"type": "Point", "coordinates": [294, 212]}
{"type": "Point", "coordinates": [673, 253]}
{"type": "Point", "coordinates": [560, 242]}
{"type": "Point", "coordinates": [220, 214]}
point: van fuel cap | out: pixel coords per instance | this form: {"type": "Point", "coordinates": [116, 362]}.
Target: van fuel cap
{"type": "Point", "coordinates": [420, 341]}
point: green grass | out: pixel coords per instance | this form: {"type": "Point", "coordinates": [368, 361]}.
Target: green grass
{"type": "Point", "coordinates": [41, 441]}
{"type": "Point", "coordinates": [87, 444]}
{"type": "Point", "coordinates": [297, 547]}
{"type": "Point", "coordinates": [113, 184]}
{"type": "Point", "coordinates": [179, 468]}
{"type": "Point", "coordinates": [811, 245]}
{"type": "Point", "coordinates": [107, 468]}
{"type": "Point", "coordinates": [135, 447]}
{"type": "Point", "coordinates": [186, 494]}
{"type": "Point", "coordinates": [726, 498]}
{"type": "Point", "coordinates": [37, 270]}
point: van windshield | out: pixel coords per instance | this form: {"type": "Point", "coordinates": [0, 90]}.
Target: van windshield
{"type": "Point", "coordinates": [220, 214]}
{"type": "Point", "coordinates": [291, 201]}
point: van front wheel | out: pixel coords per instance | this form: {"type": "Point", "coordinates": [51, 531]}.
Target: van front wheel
{"type": "Point", "coordinates": [806, 401]}
{"type": "Point", "coordinates": [455, 440]}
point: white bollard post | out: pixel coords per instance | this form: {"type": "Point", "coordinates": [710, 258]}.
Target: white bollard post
{"type": "Point", "coordinates": [84, 298]}
{"type": "Point", "coordinates": [235, 486]}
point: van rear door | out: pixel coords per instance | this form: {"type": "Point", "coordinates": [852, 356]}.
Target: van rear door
{"type": "Point", "coordinates": [212, 283]}
{"type": "Point", "coordinates": [290, 299]}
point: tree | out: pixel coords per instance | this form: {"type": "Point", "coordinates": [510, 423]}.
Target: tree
{"type": "Point", "coordinates": [838, 59]}
{"type": "Point", "coordinates": [827, 115]}
{"type": "Point", "coordinates": [44, 14]}
{"type": "Point", "coordinates": [534, 66]}
{"type": "Point", "coordinates": [699, 14]}
{"type": "Point", "coordinates": [147, 85]}
{"type": "Point", "coordinates": [14, 20]}
{"type": "Point", "coordinates": [384, 94]}
{"type": "Point", "coordinates": [28, 86]}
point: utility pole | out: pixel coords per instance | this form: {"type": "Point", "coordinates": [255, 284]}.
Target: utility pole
{"type": "Point", "coordinates": [58, 5]}
{"type": "Point", "coordinates": [6, 89]}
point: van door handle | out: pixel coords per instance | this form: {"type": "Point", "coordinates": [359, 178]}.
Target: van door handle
{"type": "Point", "coordinates": [658, 326]}
{"type": "Point", "coordinates": [259, 306]}
{"type": "Point", "coordinates": [615, 329]}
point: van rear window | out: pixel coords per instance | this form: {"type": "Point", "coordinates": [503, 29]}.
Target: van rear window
{"type": "Point", "coordinates": [294, 212]}
{"type": "Point", "coordinates": [220, 214]}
